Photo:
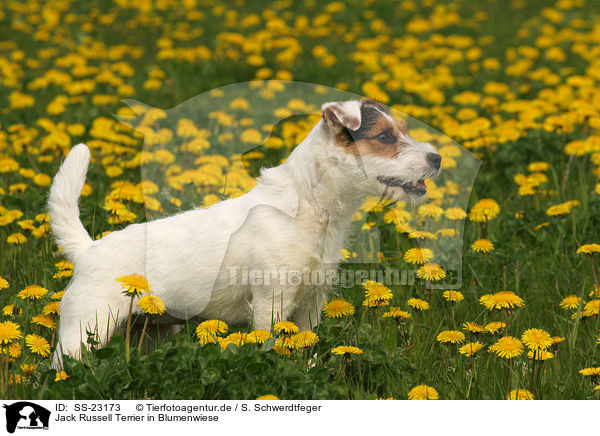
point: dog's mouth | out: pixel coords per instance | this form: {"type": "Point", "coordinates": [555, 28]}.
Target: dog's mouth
{"type": "Point", "coordinates": [417, 188]}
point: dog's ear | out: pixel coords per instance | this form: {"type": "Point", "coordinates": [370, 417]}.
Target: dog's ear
{"type": "Point", "coordinates": [342, 114]}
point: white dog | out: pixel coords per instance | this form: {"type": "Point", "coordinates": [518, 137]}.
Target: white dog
{"type": "Point", "coordinates": [295, 219]}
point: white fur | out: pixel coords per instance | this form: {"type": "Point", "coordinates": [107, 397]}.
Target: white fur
{"type": "Point", "coordinates": [295, 218]}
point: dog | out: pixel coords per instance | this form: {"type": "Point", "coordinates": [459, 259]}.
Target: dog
{"type": "Point", "coordinates": [295, 219]}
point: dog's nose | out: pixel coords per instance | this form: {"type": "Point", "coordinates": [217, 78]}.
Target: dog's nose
{"type": "Point", "coordinates": [434, 160]}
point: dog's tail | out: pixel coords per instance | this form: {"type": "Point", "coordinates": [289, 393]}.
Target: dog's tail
{"type": "Point", "coordinates": [68, 230]}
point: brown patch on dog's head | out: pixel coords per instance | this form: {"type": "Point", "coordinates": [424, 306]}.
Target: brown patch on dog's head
{"type": "Point", "coordinates": [379, 134]}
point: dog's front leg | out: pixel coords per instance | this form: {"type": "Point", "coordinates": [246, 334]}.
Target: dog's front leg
{"type": "Point", "coordinates": [271, 304]}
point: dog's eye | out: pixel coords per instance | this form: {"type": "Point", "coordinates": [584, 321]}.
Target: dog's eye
{"type": "Point", "coordinates": [386, 137]}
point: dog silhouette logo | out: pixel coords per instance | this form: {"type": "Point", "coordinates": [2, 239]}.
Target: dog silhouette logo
{"type": "Point", "coordinates": [26, 415]}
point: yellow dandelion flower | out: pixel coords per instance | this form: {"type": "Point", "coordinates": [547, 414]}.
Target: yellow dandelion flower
{"type": "Point", "coordinates": [470, 348]}
{"type": "Point", "coordinates": [451, 336]}
{"type": "Point", "coordinates": [589, 249]}
{"type": "Point", "coordinates": [520, 394]}
{"type": "Point", "coordinates": [453, 296]}
{"type": "Point", "coordinates": [9, 331]}
{"type": "Point", "coordinates": [258, 336]}
{"type": "Point", "coordinates": [590, 372]}
{"type": "Point", "coordinates": [397, 313]}
{"type": "Point", "coordinates": [60, 375]}
{"type": "Point", "coordinates": [44, 320]}
{"type": "Point", "coordinates": [418, 255]}
{"type": "Point", "coordinates": [418, 304]}
{"type": "Point", "coordinates": [32, 292]}
{"type": "Point", "coordinates": [570, 302]}
{"type": "Point", "coordinates": [494, 327]}
{"type": "Point", "coordinates": [134, 284]}
{"type": "Point", "coordinates": [591, 308]}
{"type": "Point", "coordinates": [507, 347]}
{"type": "Point", "coordinates": [536, 339]}
{"type": "Point", "coordinates": [423, 392]}
{"type": "Point", "coordinates": [482, 246]}
{"type": "Point", "coordinates": [37, 344]}
{"type": "Point", "coordinates": [484, 210]}
{"type": "Point", "coordinates": [285, 327]}
{"type": "Point", "coordinates": [455, 213]}
{"type": "Point", "coordinates": [304, 339]}
{"type": "Point", "coordinates": [473, 327]}
{"type": "Point", "coordinates": [337, 308]}
{"type": "Point", "coordinates": [375, 291]}
{"type": "Point", "coordinates": [29, 368]}
{"type": "Point", "coordinates": [345, 349]}
{"type": "Point", "coordinates": [4, 283]}
{"type": "Point", "coordinates": [540, 354]}
{"type": "Point", "coordinates": [268, 397]}
{"type": "Point", "coordinates": [151, 305]}
{"type": "Point", "coordinates": [52, 308]}
{"type": "Point", "coordinates": [431, 271]}
{"type": "Point", "coordinates": [501, 300]}
{"type": "Point", "coordinates": [16, 238]}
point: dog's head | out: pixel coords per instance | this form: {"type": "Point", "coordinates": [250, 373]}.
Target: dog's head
{"type": "Point", "coordinates": [377, 150]}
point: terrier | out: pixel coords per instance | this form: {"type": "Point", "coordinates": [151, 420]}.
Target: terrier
{"type": "Point", "coordinates": [295, 219]}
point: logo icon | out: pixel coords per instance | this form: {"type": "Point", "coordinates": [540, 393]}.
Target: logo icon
{"type": "Point", "coordinates": [26, 415]}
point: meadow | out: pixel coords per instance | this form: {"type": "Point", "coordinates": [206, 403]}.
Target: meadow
{"type": "Point", "coordinates": [515, 83]}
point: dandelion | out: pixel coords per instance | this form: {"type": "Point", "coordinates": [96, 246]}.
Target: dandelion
{"type": "Point", "coordinates": [337, 308]}
{"type": "Point", "coordinates": [37, 344]}
{"type": "Point", "coordinates": [591, 308]}
{"type": "Point", "coordinates": [431, 271]}
{"type": "Point", "coordinates": [451, 336]}
{"type": "Point", "coordinates": [501, 300]}
{"type": "Point", "coordinates": [52, 308]}
{"type": "Point", "coordinates": [32, 292]}
{"type": "Point", "coordinates": [14, 350]}
{"type": "Point", "coordinates": [60, 375]}
{"type": "Point", "coordinates": [29, 368]}
{"type": "Point", "coordinates": [16, 238]}
{"type": "Point", "coordinates": [482, 246]}
{"type": "Point", "coordinates": [473, 327]}
{"type": "Point", "coordinates": [520, 394]}
{"type": "Point", "coordinates": [3, 283]}
{"type": "Point", "coordinates": [453, 296]}
{"type": "Point", "coordinates": [304, 339]}
{"type": "Point", "coordinates": [470, 348]}
{"type": "Point", "coordinates": [151, 305]}
{"type": "Point", "coordinates": [377, 292]}
{"type": "Point", "coordinates": [285, 327]}
{"type": "Point", "coordinates": [258, 336]}
{"type": "Point", "coordinates": [268, 397]}
{"type": "Point", "coordinates": [540, 354]}
{"type": "Point", "coordinates": [396, 313]}
{"type": "Point", "coordinates": [418, 304]}
{"type": "Point", "coordinates": [423, 392]}
{"type": "Point", "coordinates": [44, 321]}
{"type": "Point", "coordinates": [346, 350]}
{"type": "Point", "coordinates": [556, 340]}
{"type": "Point", "coordinates": [9, 331]}
{"type": "Point", "coordinates": [507, 347]}
{"type": "Point", "coordinates": [484, 210]}
{"type": "Point", "coordinates": [536, 339]}
{"type": "Point", "coordinates": [418, 255]}
{"type": "Point", "coordinates": [570, 302]}
{"type": "Point", "coordinates": [590, 372]}
{"type": "Point", "coordinates": [589, 249]}
{"type": "Point", "coordinates": [134, 284]}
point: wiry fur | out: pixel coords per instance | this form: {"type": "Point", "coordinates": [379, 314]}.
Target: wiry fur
{"type": "Point", "coordinates": [296, 218]}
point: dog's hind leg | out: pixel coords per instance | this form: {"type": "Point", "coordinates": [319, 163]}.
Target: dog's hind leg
{"type": "Point", "coordinates": [271, 304]}
{"type": "Point", "coordinates": [95, 324]}
{"type": "Point", "coordinates": [308, 313]}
